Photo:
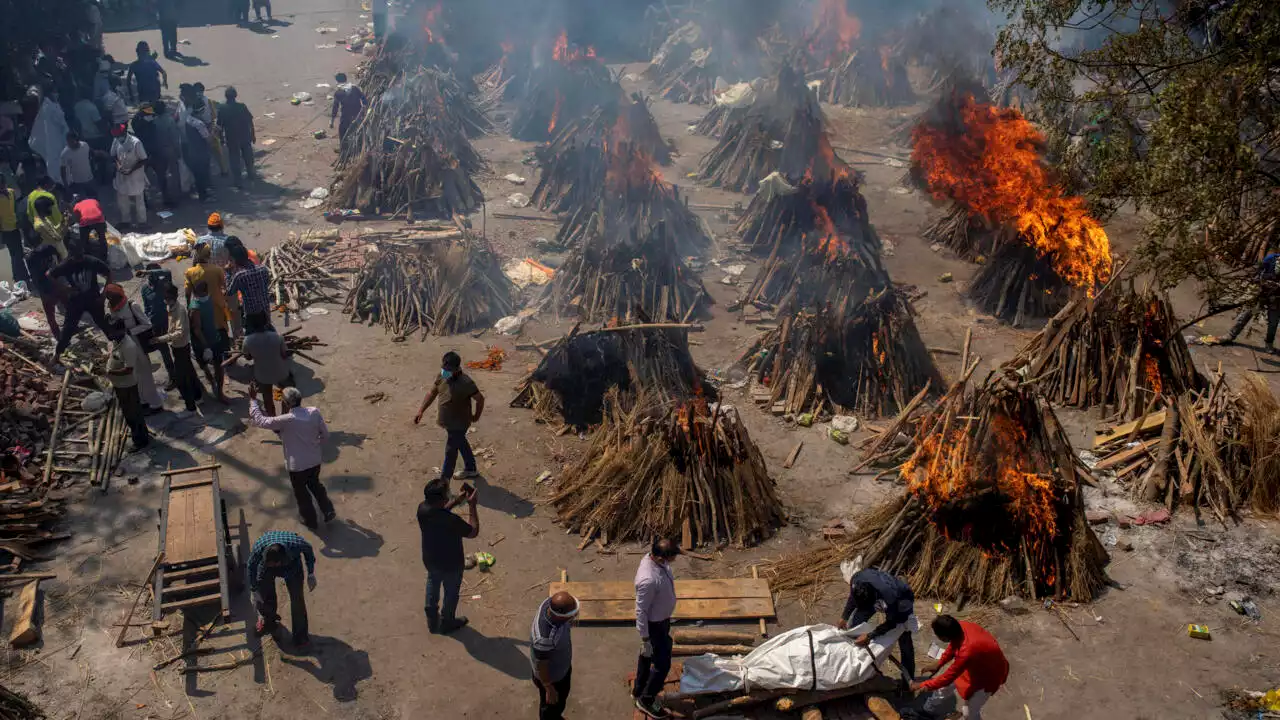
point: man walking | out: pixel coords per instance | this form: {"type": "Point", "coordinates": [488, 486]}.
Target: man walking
{"type": "Point", "coordinates": [266, 349]}
{"type": "Point", "coordinates": [176, 343]}
{"type": "Point", "coordinates": [655, 603]}
{"type": "Point", "coordinates": [1268, 282]}
{"type": "Point", "coordinates": [148, 73]}
{"type": "Point", "coordinates": [455, 390]}
{"type": "Point", "coordinates": [348, 103]}
{"type": "Point", "coordinates": [303, 434]}
{"type": "Point", "coordinates": [167, 14]}
{"type": "Point", "coordinates": [237, 125]}
{"type": "Point", "coordinates": [280, 555]}
{"type": "Point", "coordinates": [122, 365]}
{"type": "Point", "coordinates": [978, 666]}
{"type": "Point", "coordinates": [81, 273]}
{"type": "Point", "coordinates": [871, 590]}
{"type": "Point", "coordinates": [131, 176]}
{"type": "Point", "coordinates": [551, 652]}
{"type": "Point", "coordinates": [442, 535]}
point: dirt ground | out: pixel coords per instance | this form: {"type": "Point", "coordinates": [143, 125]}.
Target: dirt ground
{"type": "Point", "coordinates": [1126, 656]}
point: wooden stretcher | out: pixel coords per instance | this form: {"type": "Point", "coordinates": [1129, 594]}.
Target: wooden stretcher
{"type": "Point", "coordinates": [198, 568]}
{"type": "Point", "coordinates": [724, 599]}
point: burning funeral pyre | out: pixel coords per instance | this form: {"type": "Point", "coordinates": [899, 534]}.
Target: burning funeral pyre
{"type": "Point", "coordinates": [571, 382]}
{"type": "Point", "coordinates": [566, 87]}
{"type": "Point", "coordinates": [861, 356]}
{"type": "Point", "coordinates": [575, 163]}
{"type": "Point", "coordinates": [1119, 350]}
{"type": "Point", "coordinates": [437, 287]}
{"type": "Point", "coordinates": [992, 505]}
{"type": "Point", "coordinates": [671, 468]}
{"type": "Point", "coordinates": [947, 42]}
{"type": "Point", "coordinates": [783, 130]}
{"type": "Point", "coordinates": [857, 72]}
{"type": "Point", "coordinates": [987, 160]}
{"type": "Point", "coordinates": [411, 151]}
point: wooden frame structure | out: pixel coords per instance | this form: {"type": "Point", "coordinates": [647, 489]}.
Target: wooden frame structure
{"type": "Point", "coordinates": [198, 566]}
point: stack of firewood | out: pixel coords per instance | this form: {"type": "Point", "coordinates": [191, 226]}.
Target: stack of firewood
{"type": "Point", "coordinates": [861, 356]}
{"type": "Point", "coordinates": [561, 90]}
{"type": "Point", "coordinates": [411, 151]}
{"type": "Point", "coordinates": [301, 277]}
{"type": "Point", "coordinates": [1019, 285]}
{"type": "Point", "coordinates": [659, 467]}
{"type": "Point", "coordinates": [1121, 350]}
{"type": "Point", "coordinates": [868, 77]}
{"type": "Point", "coordinates": [441, 288]}
{"type": "Point", "coordinates": [685, 67]}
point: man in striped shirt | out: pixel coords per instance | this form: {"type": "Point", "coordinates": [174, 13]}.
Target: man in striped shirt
{"type": "Point", "coordinates": [251, 280]}
{"type": "Point", "coordinates": [280, 554]}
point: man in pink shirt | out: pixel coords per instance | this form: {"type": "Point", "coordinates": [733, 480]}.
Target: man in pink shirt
{"type": "Point", "coordinates": [303, 433]}
{"type": "Point", "coordinates": [655, 604]}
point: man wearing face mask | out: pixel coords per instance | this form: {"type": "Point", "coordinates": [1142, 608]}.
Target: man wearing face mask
{"type": "Point", "coordinates": [455, 390]}
{"type": "Point", "coordinates": [551, 652]}
{"type": "Point", "coordinates": [655, 604]}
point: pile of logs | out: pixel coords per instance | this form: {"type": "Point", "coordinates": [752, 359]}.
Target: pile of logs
{"type": "Point", "coordinates": [1120, 349]}
{"type": "Point", "coordinates": [560, 91]}
{"type": "Point", "coordinates": [1019, 285]}
{"type": "Point", "coordinates": [411, 152]}
{"type": "Point", "coordinates": [636, 202]}
{"type": "Point", "coordinates": [626, 277]}
{"type": "Point", "coordinates": [992, 505]}
{"type": "Point", "coordinates": [1214, 448]}
{"type": "Point", "coordinates": [663, 467]}
{"type": "Point", "coordinates": [440, 287]}
{"type": "Point", "coordinates": [685, 67]}
{"type": "Point", "coordinates": [863, 356]}
{"type": "Point", "coordinates": [301, 277]}
{"type": "Point", "coordinates": [720, 118]}
{"type": "Point", "coordinates": [868, 77]}
{"type": "Point", "coordinates": [969, 235]}
{"type": "Point", "coordinates": [575, 375]}
{"type": "Point", "coordinates": [783, 130]}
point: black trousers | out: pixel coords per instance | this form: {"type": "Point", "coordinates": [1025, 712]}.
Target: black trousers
{"type": "Point", "coordinates": [651, 672]}
{"type": "Point", "coordinates": [97, 248]}
{"type": "Point", "coordinates": [556, 710]}
{"type": "Point", "coordinates": [77, 306]}
{"type": "Point", "coordinates": [241, 156]}
{"type": "Point", "coordinates": [131, 408]}
{"type": "Point", "coordinates": [456, 442]}
{"type": "Point", "coordinates": [306, 485]}
{"type": "Point", "coordinates": [268, 607]}
{"type": "Point", "coordinates": [169, 36]}
{"type": "Point", "coordinates": [184, 375]}
{"type": "Point", "coordinates": [1271, 306]}
{"type": "Point", "coordinates": [13, 241]}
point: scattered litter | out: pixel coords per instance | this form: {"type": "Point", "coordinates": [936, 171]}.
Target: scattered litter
{"type": "Point", "coordinates": [528, 272]}
{"type": "Point", "coordinates": [894, 163]}
{"type": "Point", "coordinates": [945, 278]}
{"type": "Point", "coordinates": [323, 85]}
{"type": "Point", "coordinates": [184, 42]}
{"type": "Point", "coordinates": [475, 597]}
{"type": "Point", "coordinates": [269, 142]}
{"type": "Point", "coordinates": [1151, 517]}
{"type": "Point", "coordinates": [805, 420]}
{"type": "Point", "coordinates": [518, 200]}
{"type": "Point", "coordinates": [275, 37]}
{"type": "Point", "coordinates": [484, 561]}
{"type": "Point", "coordinates": [272, 116]}
{"type": "Point", "coordinates": [33, 322]}
{"type": "Point", "coordinates": [1246, 607]}
{"type": "Point", "coordinates": [13, 294]}
{"type": "Point", "coordinates": [326, 30]}
{"type": "Point", "coordinates": [515, 179]}
{"type": "Point", "coordinates": [899, 190]}
{"type": "Point", "coordinates": [492, 361]}
{"type": "Point", "coordinates": [510, 325]}
{"type": "Point", "coordinates": [95, 401]}
{"type": "Point", "coordinates": [300, 97]}
{"type": "Point", "coordinates": [1199, 632]}
{"type": "Point", "coordinates": [732, 273]}
{"type": "Point", "coordinates": [326, 46]}
{"type": "Point", "coordinates": [845, 423]}
{"type": "Point", "coordinates": [164, 214]}
{"type": "Point", "coordinates": [319, 193]}
{"type": "Point", "coordinates": [937, 247]}
{"type": "Point", "coordinates": [543, 476]}
{"type": "Point", "coordinates": [838, 436]}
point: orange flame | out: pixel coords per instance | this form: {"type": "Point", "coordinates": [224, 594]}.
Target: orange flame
{"type": "Point", "coordinates": [429, 22]}
{"type": "Point", "coordinates": [993, 168]}
{"type": "Point", "coordinates": [1151, 371]}
{"type": "Point", "coordinates": [628, 164]}
{"type": "Point", "coordinates": [835, 29]}
{"type": "Point", "coordinates": [555, 113]}
{"type": "Point", "coordinates": [566, 55]}
{"type": "Point", "coordinates": [829, 240]}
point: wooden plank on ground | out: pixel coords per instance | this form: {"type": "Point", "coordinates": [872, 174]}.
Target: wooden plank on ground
{"type": "Point", "coordinates": [1126, 455]}
{"type": "Point", "coordinates": [216, 599]}
{"type": "Point", "coordinates": [189, 587]}
{"type": "Point", "coordinates": [191, 533]}
{"type": "Point", "coordinates": [26, 628]}
{"type": "Point", "coordinates": [685, 589]}
{"type": "Point", "coordinates": [1153, 421]}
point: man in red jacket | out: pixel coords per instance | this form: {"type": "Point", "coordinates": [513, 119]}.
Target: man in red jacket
{"type": "Point", "coordinates": [978, 666]}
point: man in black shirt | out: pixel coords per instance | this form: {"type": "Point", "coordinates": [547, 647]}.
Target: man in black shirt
{"type": "Point", "coordinates": [442, 534]}
{"type": "Point", "coordinates": [871, 590]}
{"type": "Point", "coordinates": [81, 272]}
{"type": "Point", "coordinates": [237, 124]}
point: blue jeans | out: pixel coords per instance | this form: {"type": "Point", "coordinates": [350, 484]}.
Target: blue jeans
{"type": "Point", "coordinates": [457, 443]}
{"type": "Point", "coordinates": [451, 580]}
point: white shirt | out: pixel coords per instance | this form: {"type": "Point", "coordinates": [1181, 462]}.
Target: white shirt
{"type": "Point", "coordinates": [302, 432]}
{"type": "Point", "coordinates": [76, 163]}
{"type": "Point", "coordinates": [129, 153]}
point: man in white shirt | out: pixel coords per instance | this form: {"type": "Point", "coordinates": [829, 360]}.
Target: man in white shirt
{"type": "Point", "coordinates": [121, 363]}
{"type": "Point", "coordinates": [179, 341]}
{"type": "Point", "coordinates": [303, 434]}
{"type": "Point", "coordinates": [131, 175]}
{"type": "Point", "coordinates": [77, 167]}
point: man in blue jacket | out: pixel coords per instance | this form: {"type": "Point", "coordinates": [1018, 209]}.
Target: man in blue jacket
{"type": "Point", "coordinates": [1268, 279]}
{"type": "Point", "coordinates": [873, 590]}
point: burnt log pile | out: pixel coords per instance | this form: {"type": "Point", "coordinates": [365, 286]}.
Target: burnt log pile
{"type": "Point", "coordinates": [685, 67]}
{"type": "Point", "coordinates": [1019, 285]}
{"type": "Point", "coordinates": [411, 152]}
{"type": "Point", "coordinates": [561, 89]}
{"type": "Point", "coordinates": [868, 77]}
{"type": "Point", "coordinates": [437, 287]}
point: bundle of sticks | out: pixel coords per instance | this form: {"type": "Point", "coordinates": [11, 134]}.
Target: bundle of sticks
{"type": "Point", "coordinates": [15, 706]}
{"type": "Point", "coordinates": [302, 277]}
{"type": "Point", "coordinates": [868, 77]}
{"type": "Point", "coordinates": [992, 506]}
{"type": "Point", "coordinates": [1019, 285]}
{"type": "Point", "coordinates": [1214, 448]}
{"type": "Point", "coordinates": [718, 119]}
{"type": "Point", "coordinates": [785, 218]}
{"type": "Point", "coordinates": [969, 235]}
{"type": "Point", "coordinates": [411, 152]}
{"type": "Point", "coordinates": [440, 287]}
{"type": "Point", "coordinates": [665, 467]}
{"type": "Point", "coordinates": [783, 130]}
{"type": "Point", "coordinates": [685, 67]}
{"type": "Point", "coordinates": [575, 375]}
{"type": "Point", "coordinates": [635, 199]}
{"type": "Point", "coordinates": [560, 91]}
{"type": "Point", "coordinates": [1119, 349]}
{"type": "Point", "coordinates": [625, 276]}
{"type": "Point", "coordinates": [863, 355]}
{"type": "Point", "coordinates": [508, 78]}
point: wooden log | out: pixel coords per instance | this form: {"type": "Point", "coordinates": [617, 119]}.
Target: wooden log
{"type": "Point", "coordinates": [1155, 486]}
{"type": "Point", "coordinates": [737, 703]}
{"type": "Point", "coordinates": [813, 712]}
{"type": "Point", "coordinates": [146, 583]}
{"type": "Point", "coordinates": [26, 629]}
{"type": "Point", "coordinates": [698, 636]}
{"type": "Point", "coordinates": [684, 650]}
{"type": "Point", "coordinates": [795, 453]}
{"type": "Point", "coordinates": [57, 425]}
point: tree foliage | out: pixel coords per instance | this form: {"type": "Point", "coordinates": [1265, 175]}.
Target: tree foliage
{"type": "Point", "coordinates": [1171, 107]}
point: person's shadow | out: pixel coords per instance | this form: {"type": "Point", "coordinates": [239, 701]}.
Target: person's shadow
{"type": "Point", "coordinates": [346, 539]}
{"type": "Point", "coordinates": [499, 498]}
{"type": "Point", "coordinates": [333, 662]}
{"type": "Point", "coordinates": [503, 654]}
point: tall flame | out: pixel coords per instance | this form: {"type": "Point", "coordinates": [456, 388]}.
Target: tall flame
{"type": "Point", "coordinates": [835, 28]}
{"type": "Point", "coordinates": [992, 166]}
{"type": "Point", "coordinates": [566, 55]}
{"type": "Point", "coordinates": [628, 164]}
{"type": "Point", "coordinates": [431, 20]}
